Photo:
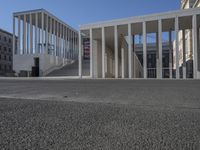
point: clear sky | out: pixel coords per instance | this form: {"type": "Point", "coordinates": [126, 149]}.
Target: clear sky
{"type": "Point", "coordinates": [77, 12]}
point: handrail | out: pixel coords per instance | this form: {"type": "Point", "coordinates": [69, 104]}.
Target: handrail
{"type": "Point", "coordinates": [138, 65]}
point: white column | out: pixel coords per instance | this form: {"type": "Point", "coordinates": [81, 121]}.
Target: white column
{"type": "Point", "coordinates": [160, 76]}
{"type": "Point", "coordinates": [122, 62]}
{"type": "Point", "coordinates": [116, 51]}
{"type": "Point", "coordinates": [31, 35]}
{"type": "Point", "coordinates": [144, 50]}
{"type": "Point", "coordinates": [36, 34]}
{"type": "Point", "coordinates": [64, 36]}
{"type": "Point", "coordinates": [177, 47]}
{"type": "Point", "coordinates": [54, 37]}
{"type": "Point", "coordinates": [19, 36]}
{"type": "Point", "coordinates": [42, 51]}
{"type": "Point", "coordinates": [51, 26]}
{"type": "Point", "coordinates": [80, 54]}
{"type": "Point", "coordinates": [59, 39]}
{"type": "Point", "coordinates": [170, 54]}
{"type": "Point", "coordinates": [14, 51]}
{"type": "Point", "coordinates": [63, 43]}
{"type": "Point", "coordinates": [57, 48]}
{"type": "Point", "coordinates": [24, 36]}
{"type": "Point", "coordinates": [91, 54]}
{"type": "Point", "coordinates": [194, 45]}
{"type": "Point", "coordinates": [28, 37]}
{"type": "Point", "coordinates": [67, 44]}
{"type": "Point", "coordinates": [134, 58]}
{"type": "Point", "coordinates": [72, 45]}
{"type": "Point", "coordinates": [103, 52]}
{"type": "Point", "coordinates": [184, 57]}
{"type": "Point", "coordinates": [47, 35]}
{"type": "Point", "coordinates": [130, 51]}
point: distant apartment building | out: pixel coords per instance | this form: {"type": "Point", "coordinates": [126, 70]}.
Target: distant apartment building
{"type": "Point", "coordinates": [6, 54]}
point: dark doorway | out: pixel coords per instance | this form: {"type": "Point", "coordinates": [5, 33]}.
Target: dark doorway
{"type": "Point", "coordinates": [36, 67]}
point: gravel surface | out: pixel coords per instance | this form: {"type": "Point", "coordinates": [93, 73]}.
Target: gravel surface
{"type": "Point", "coordinates": [116, 115]}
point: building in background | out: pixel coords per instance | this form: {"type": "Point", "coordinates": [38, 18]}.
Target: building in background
{"type": "Point", "coordinates": [45, 43]}
{"type": "Point", "coordinates": [6, 53]}
{"type": "Point", "coordinates": [113, 44]}
{"type": "Point", "coordinates": [185, 44]}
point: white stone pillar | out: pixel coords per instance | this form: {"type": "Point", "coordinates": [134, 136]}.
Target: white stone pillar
{"type": "Point", "coordinates": [144, 50]}
{"type": "Point", "coordinates": [47, 34]}
{"type": "Point", "coordinates": [19, 36]}
{"type": "Point", "coordinates": [31, 35]}
{"type": "Point", "coordinates": [14, 49]}
{"type": "Point", "coordinates": [28, 36]}
{"type": "Point", "coordinates": [194, 45]}
{"type": "Point", "coordinates": [122, 62]}
{"type": "Point", "coordinates": [70, 41]}
{"type": "Point", "coordinates": [50, 30]}
{"type": "Point", "coordinates": [24, 35]}
{"type": "Point", "coordinates": [130, 51]}
{"type": "Point", "coordinates": [160, 76]}
{"type": "Point", "coordinates": [67, 44]}
{"type": "Point", "coordinates": [134, 58]}
{"type": "Point", "coordinates": [42, 51]}
{"type": "Point", "coordinates": [80, 54]}
{"type": "Point", "coordinates": [57, 48]}
{"type": "Point", "coordinates": [103, 52]}
{"type": "Point", "coordinates": [116, 51]}
{"type": "Point", "coordinates": [54, 37]}
{"type": "Point", "coordinates": [36, 34]}
{"type": "Point", "coordinates": [91, 53]}
{"type": "Point", "coordinates": [72, 45]}
{"type": "Point", "coordinates": [64, 36]}
{"type": "Point", "coordinates": [177, 47]}
{"type": "Point", "coordinates": [72, 35]}
{"type": "Point", "coordinates": [170, 54]}
{"type": "Point", "coordinates": [184, 53]}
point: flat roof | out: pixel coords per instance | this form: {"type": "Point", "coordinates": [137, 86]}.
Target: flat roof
{"type": "Point", "coordinates": [6, 32]}
{"type": "Point", "coordinates": [137, 19]}
{"type": "Point", "coordinates": [15, 14]}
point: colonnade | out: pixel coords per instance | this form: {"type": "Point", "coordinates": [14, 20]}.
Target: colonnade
{"type": "Point", "coordinates": [39, 32]}
{"type": "Point", "coordinates": [177, 27]}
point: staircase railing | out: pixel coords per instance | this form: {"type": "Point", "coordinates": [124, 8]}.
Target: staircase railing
{"type": "Point", "coordinates": [137, 65]}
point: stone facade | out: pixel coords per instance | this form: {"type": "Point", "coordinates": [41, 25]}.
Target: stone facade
{"type": "Point", "coordinates": [6, 55]}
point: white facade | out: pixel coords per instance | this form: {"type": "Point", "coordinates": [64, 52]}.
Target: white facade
{"type": "Point", "coordinates": [42, 35]}
{"type": "Point", "coordinates": [112, 45]}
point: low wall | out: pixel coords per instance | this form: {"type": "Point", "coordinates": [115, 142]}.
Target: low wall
{"type": "Point", "coordinates": [47, 62]}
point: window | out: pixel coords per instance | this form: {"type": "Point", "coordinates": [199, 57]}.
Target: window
{"type": "Point", "coordinates": [5, 39]}
{"type": "Point", "coordinates": [9, 40]}
{"type": "Point", "coordinates": [0, 67]}
{"type": "Point", "coordinates": [0, 37]}
{"type": "Point", "coordinates": [0, 47]}
{"type": "Point", "coordinates": [5, 49]}
{"type": "Point", "coordinates": [10, 67]}
{"type": "Point", "coordinates": [4, 57]}
{"type": "Point", "coordinates": [0, 57]}
{"type": "Point", "coordinates": [9, 58]}
{"type": "Point", "coordinates": [9, 49]}
{"type": "Point", "coordinates": [5, 67]}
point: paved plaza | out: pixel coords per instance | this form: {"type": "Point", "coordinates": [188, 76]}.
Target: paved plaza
{"type": "Point", "coordinates": [99, 114]}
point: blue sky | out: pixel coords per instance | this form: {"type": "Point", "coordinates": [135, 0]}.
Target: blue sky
{"type": "Point", "coordinates": [77, 12]}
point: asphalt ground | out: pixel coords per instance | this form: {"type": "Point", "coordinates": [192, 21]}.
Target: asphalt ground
{"type": "Point", "coordinates": [100, 114]}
